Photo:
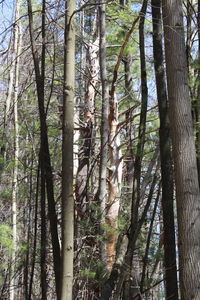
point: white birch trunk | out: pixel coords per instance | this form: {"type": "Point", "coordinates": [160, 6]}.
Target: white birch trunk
{"type": "Point", "coordinates": [16, 55]}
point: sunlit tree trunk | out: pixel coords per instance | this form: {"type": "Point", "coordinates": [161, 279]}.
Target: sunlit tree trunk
{"type": "Point", "coordinates": [16, 54]}
{"type": "Point", "coordinates": [118, 272]}
{"type": "Point", "coordinates": [82, 197]}
{"type": "Point", "coordinates": [114, 182]}
{"type": "Point", "coordinates": [104, 125]}
{"type": "Point", "coordinates": [67, 154]}
{"type": "Point", "coordinates": [127, 60]}
{"type": "Point", "coordinates": [184, 153]}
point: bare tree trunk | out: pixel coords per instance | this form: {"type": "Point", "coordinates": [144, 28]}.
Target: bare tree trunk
{"type": "Point", "coordinates": [67, 154]}
{"type": "Point", "coordinates": [114, 182]}
{"type": "Point", "coordinates": [35, 231]}
{"type": "Point", "coordinates": [189, 32]}
{"type": "Point", "coordinates": [11, 80]}
{"type": "Point", "coordinates": [104, 124]}
{"type": "Point", "coordinates": [197, 96]}
{"type": "Point", "coordinates": [40, 81]}
{"type": "Point", "coordinates": [130, 168]}
{"type": "Point", "coordinates": [165, 157]}
{"type": "Point", "coordinates": [16, 53]}
{"type": "Point", "coordinates": [28, 225]}
{"type": "Point", "coordinates": [109, 206]}
{"type": "Point", "coordinates": [184, 153]}
{"type": "Point", "coordinates": [42, 166]}
{"type": "Point", "coordinates": [118, 273]}
{"type": "Point", "coordinates": [82, 196]}
{"type": "Point", "coordinates": [136, 193]}
{"type": "Point", "coordinates": [129, 130]}
{"type": "Point", "coordinates": [43, 274]}
{"type": "Point", "coordinates": [115, 157]}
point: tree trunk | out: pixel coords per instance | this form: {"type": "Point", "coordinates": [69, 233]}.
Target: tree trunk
{"type": "Point", "coordinates": [28, 222]}
{"type": "Point", "coordinates": [43, 274]}
{"type": "Point", "coordinates": [42, 166]}
{"type": "Point", "coordinates": [165, 157]}
{"type": "Point", "coordinates": [40, 81]}
{"type": "Point", "coordinates": [118, 273]}
{"type": "Point", "coordinates": [145, 258]}
{"type": "Point", "coordinates": [114, 182]}
{"type": "Point", "coordinates": [15, 58]}
{"type": "Point", "coordinates": [102, 193]}
{"type": "Point", "coordinates": [184, 154]}
{"type": "Point", "coordinates": [138, 156]}
{"type": "Point", "coordinates": [197, 96]}
{"type": "Point", "coordinates": [35, 232]}
{"type": "Point", "coordinates": [82, 197]}
{"type": "Point", "coordinates": [67, 154]}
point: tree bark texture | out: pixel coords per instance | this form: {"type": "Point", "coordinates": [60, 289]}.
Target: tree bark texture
{"type": "Point", "coordinates": [165, 157]}
{"type": "Point", "coordinates": [197, 96]}
{"type": "Point", "coordinates": [102, 193]}
{"type": "Point", "coordinates": [82, 197]}
{"type": "Point", "coordinates": [184, 153]}
{"type": "Point", "coordinates": [67, 154]}
{"type": "Point", "coordinates": [16, 53]}
{"type": "Point", "coordinates": [114, 182]}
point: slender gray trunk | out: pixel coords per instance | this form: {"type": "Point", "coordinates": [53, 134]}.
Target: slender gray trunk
{"type": "Point", "coordinates": [67, 154]}
{"type": "Point", "coordinates": [104, 123]}
{"type": "Point", "coordinates": [16, 54]}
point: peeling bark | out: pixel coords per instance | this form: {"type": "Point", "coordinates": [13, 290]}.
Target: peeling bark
{"type": "Point", "coordinates": [114, 183]}
{"type": "Point", "coordinates": [86, 132]}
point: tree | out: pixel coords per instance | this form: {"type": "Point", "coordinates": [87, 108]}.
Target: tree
{"type": "Point", "coordinates": [45, 153]}
{"type": "Point", "coordinates": [184, 154]}
{"type": "Point", "coordinates": [102, 192]}
{"type": "Point", "coordinates": [196, 105]}
{"type": "Point", "coordinates": [67, 155]}
{"type": "Point", "coordinates": [16, 54]}
{"type": "Point", "coordinates": [86, 171]}
{"type": "Point", "coordinates": [165, 157]}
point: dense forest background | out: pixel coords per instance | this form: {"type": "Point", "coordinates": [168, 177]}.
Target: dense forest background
{"type": "Point", "coordinates": [99, 149]}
